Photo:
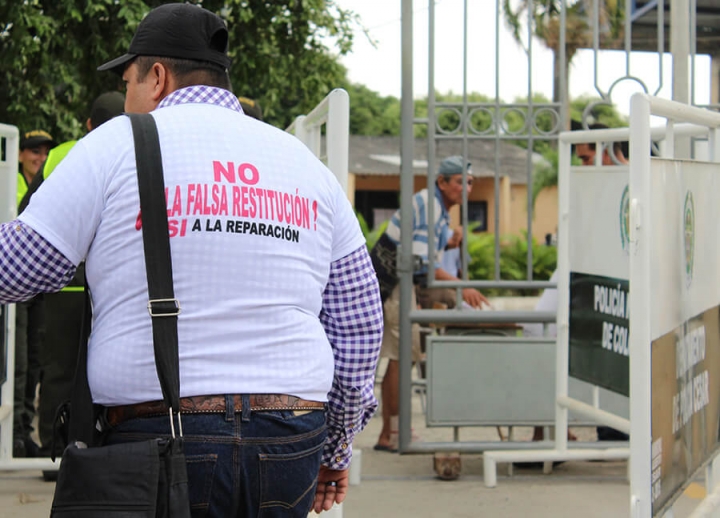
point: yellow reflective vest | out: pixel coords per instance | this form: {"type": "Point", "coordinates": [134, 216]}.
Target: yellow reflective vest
{"type": "Point", "coordinates": [54, 157]}
{"type": "Point", "coordinates": [22, 187]}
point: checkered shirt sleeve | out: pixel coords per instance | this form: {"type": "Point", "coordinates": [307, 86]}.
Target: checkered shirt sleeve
{"type": "Point", "coordinates": [31, 264]}
{"type": "Point", "coordinates": [353, 320]}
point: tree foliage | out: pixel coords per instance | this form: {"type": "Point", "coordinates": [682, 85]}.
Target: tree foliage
{"type": "Point", "coordinates": [49, 50]}
{"type": "Point", "coordinates": [513, 260]}
{"type": "Point", "coordinates": [599, 111]}
{"type": "Point", "coordinates": [544, 19]}
{"type": "Point", "coordinates": [371, 113]}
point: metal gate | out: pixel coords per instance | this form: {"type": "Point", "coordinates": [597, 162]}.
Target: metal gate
{"type": "Point", "coordinates": [683, 27]}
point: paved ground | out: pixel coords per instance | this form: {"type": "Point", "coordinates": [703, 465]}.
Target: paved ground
{"type": "Point", "coordinates": [405, 486]}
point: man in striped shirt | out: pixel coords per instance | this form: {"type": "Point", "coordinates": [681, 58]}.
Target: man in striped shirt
{"type": "Point", "coordinates": [447, 193]}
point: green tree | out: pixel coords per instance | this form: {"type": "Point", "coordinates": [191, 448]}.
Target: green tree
{"type": "Point", "coordinates": [545, 174]}
{"type": "Point", "coordinates": [49, 50]}
{"type": "Point", "coordinates": [371, 113]}
{"type": "Point", "coordinates": [600, 112]}
{"type": "Point", "coordinates": [545, 20]}
{"type": "Point", "coordinates": [513, 260]}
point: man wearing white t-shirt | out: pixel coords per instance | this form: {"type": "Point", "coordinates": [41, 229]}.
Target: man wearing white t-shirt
{"type": "Point", "coordinates": [281, 317]}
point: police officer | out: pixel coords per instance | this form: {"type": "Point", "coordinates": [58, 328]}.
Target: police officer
{"type": "Point", "coordinates": [29, 315]}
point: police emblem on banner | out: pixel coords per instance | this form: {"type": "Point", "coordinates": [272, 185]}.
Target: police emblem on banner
{"type": "Point", "coordinates": [624, 214]}
{"type": "Point", "coordinates": [689, 236]}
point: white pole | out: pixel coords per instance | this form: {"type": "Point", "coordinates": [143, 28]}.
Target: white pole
{"type": "Point", "coordinates": [338, 135]}
{"type": "Point", "coordinates": [8, 211]}
{"type": "Point", "coordinates": [680, 48]}
{"type": "Point", "coordinates": [640, 309]}
{"type": "Point", "coordinates": [563, 312]}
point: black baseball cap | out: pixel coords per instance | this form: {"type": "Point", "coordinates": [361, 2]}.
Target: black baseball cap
{"type": "Point", "coordinates": [105, 107]}
{"type": "Point", "coordinates": [36, 138]}
{"type": "Point", "coordinates": [251, 107]}
{"type": "Point", "coordinates": [182, 31]}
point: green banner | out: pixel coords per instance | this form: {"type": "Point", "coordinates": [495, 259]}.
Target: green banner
{"type": "Point", "coordinates": [600, 331]}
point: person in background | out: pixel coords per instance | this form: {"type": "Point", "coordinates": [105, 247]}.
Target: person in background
{"type": "Point", "coordinates": [447, 192]}
{"type": "Point", "coordinates": [29, 315]}
{"type": "Point", "coordinates": [586, 152]}
{"type": "Point", "coordinates": [64, 309]}
{"type": "Point", "coordinates": [444, 298]}
{"type": "Point", "coordinates": [34, 148]}
{"type": "Point", "coordinates": [105, 107]}
{"type": "Point", "coordinates": [280, 317]}
{"type": "Point", "coordinates": [251, 107]}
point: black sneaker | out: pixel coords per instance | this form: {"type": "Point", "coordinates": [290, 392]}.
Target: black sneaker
{"type": "Point", "coordinates": [50, 476]}
{"type": "Point", "coordinates": [31, 448]}
{"type": "Point", "coordinates": [536, 465]}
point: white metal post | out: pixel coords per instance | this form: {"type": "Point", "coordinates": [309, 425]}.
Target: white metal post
{"type": "Point", "coordinates": [640, 309]}
{"type": "Point", "coordinates": [680, 48]}
{"type": "Point", "coordinates": [563, 309]}
{"type": "Point", "coordinates": [8, 211]}
{"type": "Point", "coordinates": [338, 135]}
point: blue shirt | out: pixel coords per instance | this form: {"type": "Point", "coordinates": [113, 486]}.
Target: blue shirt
{"type": "Point", "coordinates": [421, 225]}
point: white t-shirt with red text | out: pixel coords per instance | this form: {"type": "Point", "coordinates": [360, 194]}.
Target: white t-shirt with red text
{"type": "Point", "coordinates": [255, 220]}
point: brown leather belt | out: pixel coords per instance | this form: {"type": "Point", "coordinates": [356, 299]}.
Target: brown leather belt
{"type": "Point", "coordinates": [210, 405]}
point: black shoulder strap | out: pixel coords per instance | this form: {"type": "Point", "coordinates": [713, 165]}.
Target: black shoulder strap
{"type": "Point", "coordinates": [81, 426]}
{"type": "Point", "coordinates": [162, 304]}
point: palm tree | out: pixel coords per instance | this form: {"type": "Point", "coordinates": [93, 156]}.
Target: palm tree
{"type": "Point", "coordinates": [578, 32]}
{"type": "Point", "coordinates": [545, 18]}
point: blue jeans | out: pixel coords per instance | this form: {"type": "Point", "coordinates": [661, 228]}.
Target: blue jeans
{"type": "Point", "coordinates": [260, 464]}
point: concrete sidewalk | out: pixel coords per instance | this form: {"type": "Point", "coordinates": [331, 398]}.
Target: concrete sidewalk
{"type": "Point", "coordinates": [405, 486]}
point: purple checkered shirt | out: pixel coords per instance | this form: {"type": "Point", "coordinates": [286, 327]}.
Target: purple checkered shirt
{"type": "Point", "coordinates": [351, 311]}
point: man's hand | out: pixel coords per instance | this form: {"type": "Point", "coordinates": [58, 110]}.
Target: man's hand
{"type": "Point", "coordinates": [474, 298]}
{"type": "Point", "coordinates": [331, 488]}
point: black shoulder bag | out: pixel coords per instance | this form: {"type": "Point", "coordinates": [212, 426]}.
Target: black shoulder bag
{"type": "Point", "coordinates": [384, 260]}
{"type": "Point", "coordinates": [145, 479]}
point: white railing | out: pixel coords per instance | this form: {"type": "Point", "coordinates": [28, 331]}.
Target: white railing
{"type": "Point", "coordinates": [9, 138]}
{"type": "Point", "coordinates": [659, 220]}
{"type": "Point", "coordinates": [683, 122]}
{"type": "Point", "coordinates": [333, 112]}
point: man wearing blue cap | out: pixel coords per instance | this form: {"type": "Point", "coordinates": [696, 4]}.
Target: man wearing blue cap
{"type": "Point", "coordinates": [448, 191]}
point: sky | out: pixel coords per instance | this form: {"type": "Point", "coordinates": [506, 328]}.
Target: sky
{"type": "Point", "coordinates": [379, 67]}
